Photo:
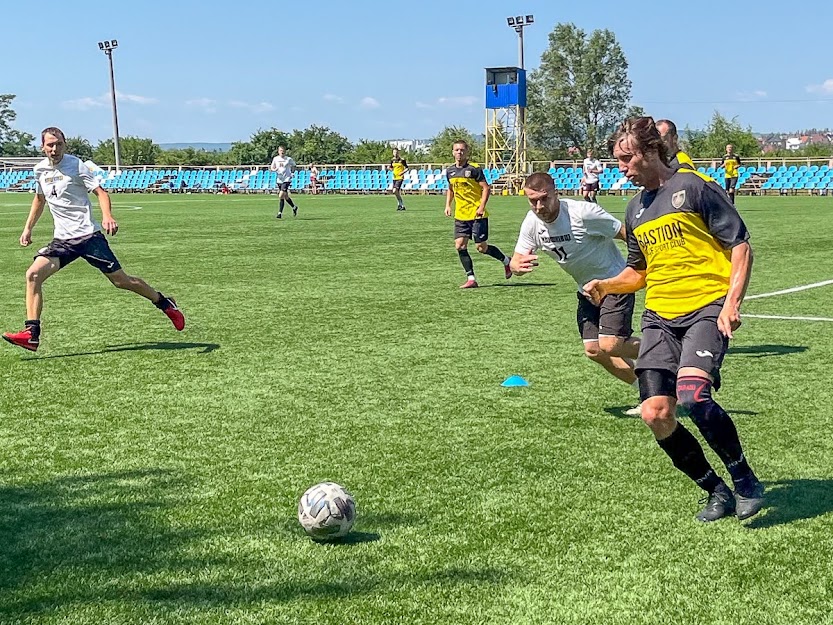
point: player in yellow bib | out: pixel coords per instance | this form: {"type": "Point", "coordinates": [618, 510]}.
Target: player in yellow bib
{"type": "Point", "coordinates": [731, 162]}
{"type": "Point", "coordinates": [399, 166]}
{"type": "Point", "coordinates": [469, 190]}
{"type": "Point", "coordinates": [668, 132]}
{"type": "Point", "coordinates": [690, 247]}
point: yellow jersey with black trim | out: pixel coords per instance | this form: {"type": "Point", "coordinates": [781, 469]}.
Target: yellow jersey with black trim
{"type": "Point", "coordinates": [399, 166]}
{"type": "Point", "coordinates": [464, 182]}
{"type": "Point", "coordinates": [681, 159]}
{"type": "Point", "coordinates": [731, 162]}
{"type": "Point", "coordinates": [681, 235]}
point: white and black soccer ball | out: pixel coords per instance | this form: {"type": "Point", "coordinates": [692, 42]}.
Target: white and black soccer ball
{"type": "Point", "coordinates": [327, 511]}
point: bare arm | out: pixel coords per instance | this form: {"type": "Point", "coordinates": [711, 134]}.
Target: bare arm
{"type": "Point", "coordinates": [107, 222]}
{"type": "Point", "coordinates": [485, 192]}
{"type": "Point", "coordinates": [38, 202]}
{"type": "Point", "coordinates": [449, 196]}
{"type": "Point", "coordinates": [729, 319]}
{"type": "Point", "coordinates": [622, 234]}
{"type": "Point", "coordinates": [628, 281]}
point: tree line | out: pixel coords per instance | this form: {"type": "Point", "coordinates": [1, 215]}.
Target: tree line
{"type": "Point", "coordinates": [577, 96]}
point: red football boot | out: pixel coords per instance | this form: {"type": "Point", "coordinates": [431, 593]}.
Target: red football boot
{"type": "Point", "coordinates": [23, 339]}
{"type": "Point", "coordinates": [174, 314]}
{"type": "Point", "coordinates": [469, 284]}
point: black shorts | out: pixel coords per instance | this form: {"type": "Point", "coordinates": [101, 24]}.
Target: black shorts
{"type": "Point", "coordinates": [475, 229]}
{"type": "Point", "coordinates": [93, 248]}
{"type": "Point", "coordinates": [283, 186]}
{"type": "Point", "coordinates": [692, 340]}
{"type": "Point", "coordinates": [397, 184]}
{"type": "Point", "coordinates": [613, 318]}
{"type": "Point", "coordinates": [731, 183]}
{"type": "Point", "coordinates": [591, 186]}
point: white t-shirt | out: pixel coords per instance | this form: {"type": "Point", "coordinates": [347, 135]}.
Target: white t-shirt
{"type": "Point", "coordinates": [591, 168]}
{"type": "Point", "coordinates": [580, 240]}
{"type": "Point", "coordinates": [66, 188]}
{"type": "Point", "coordinates": [284, 165]}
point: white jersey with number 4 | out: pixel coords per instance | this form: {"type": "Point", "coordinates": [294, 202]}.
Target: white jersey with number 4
{"type": "Point", "coordinates": [580, 240]}
{"type": "Point", "coordinates": [284, 165]}
{"type": "Point", "coordinates": [66, 187]}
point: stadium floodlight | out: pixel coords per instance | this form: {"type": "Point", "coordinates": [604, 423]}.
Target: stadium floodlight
{"type": "Point", "coordinates": [518, 22]}
{"type": "Point", "coordinates": [107, 47]}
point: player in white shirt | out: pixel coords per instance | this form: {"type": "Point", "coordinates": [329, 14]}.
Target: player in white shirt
{"type": "Point", "coordinates": [579, 237]}
{"type": "Point", "coordinates": [284, 165]}
{"type": "Point", "coordinates": [590, 182]}
{"type": "Point", "coordinates": [64, 183]}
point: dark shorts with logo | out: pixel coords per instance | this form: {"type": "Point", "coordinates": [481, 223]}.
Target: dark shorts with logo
{"type": "Point", "coordinates": [475, 229]}
{"type": "Point", "coordinates": [284, 186]}
{"type": "Point", "coordinates": [731, 183]}
{"type": "Point", "coordinates": [613, 318]}
{"type": "Point", "coordinates": [591, 186]}
{"type": "Point", "coordinates": [692, 340]}
{"type": "Point", "coordinates": [397, 184]}
{"type": "Point", "coordinates": [93, 248]}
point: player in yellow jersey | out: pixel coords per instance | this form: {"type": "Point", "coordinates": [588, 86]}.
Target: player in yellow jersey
{"type": "Point", "coordinates": [468, 189]}
{"type": "Point", "coordinates": [668, 131]}
{"type": "Point", "coordinates": [731, 162]}
{"type": "Point", "coordinates": [690, 247]}
{"type": "Point", "coordinates": [398, 165]}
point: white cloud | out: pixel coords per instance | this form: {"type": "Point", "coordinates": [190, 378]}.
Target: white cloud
{"type": "Point", "coordinates": [369, 103]}
{"type": "Point", "coordinates": [257, 107]}
{"type": "Point", "coordinates": [460, 101]}
{"type": "Point", "coordinates": [329, 97]}
{"type": "Point", "coordinates": [826, 87]}
{"type": "Point", "coordinates": [82, 104]}
{"type": "Point", "coordinates": [85, 104]}
{"type": "Point", "coordinates": [206, 104]}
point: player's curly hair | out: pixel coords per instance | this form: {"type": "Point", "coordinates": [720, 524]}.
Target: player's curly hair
{"type": "Point", "coordinates": [646, 137]}
{"type": "Point", "coordinates": [55, 132]}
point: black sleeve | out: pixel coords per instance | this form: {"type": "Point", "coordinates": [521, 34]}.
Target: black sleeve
{"type": "Point", "coordinates": [636, 259]}
{"type": "Point", "coordinates": [721, 217]}
{"type": "Point", "coordinates": [404, 164]}
{"type": "Point", "coordinates": [479, 176]}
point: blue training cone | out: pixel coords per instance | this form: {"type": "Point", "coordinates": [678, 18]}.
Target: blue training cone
{"type": "Point", "coordinates": [515, 380]}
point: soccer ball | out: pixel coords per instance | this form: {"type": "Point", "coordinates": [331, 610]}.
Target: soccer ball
{"type": "Point", "coordinates": [326, 511]}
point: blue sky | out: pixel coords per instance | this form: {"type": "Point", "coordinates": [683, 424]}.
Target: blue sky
{"type": "Point", "coordinates": [211, 71]}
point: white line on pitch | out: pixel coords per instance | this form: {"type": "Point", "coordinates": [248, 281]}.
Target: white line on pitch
{"type": "Point", "coordinates": [787, 318]}
{"type": "Point", "coordinates": [792, 290]}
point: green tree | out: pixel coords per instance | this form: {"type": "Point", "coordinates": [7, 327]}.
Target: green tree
{"type": "Point", "coordinates": [579, 93]}
{"type": "Point", "coordinates": [261, 148]}
{"type": "Point", "coordinates": [13, 142]}
{"type": "Point", "coordinates": [711, 141]}
{"type": "Point", "coordinates": [191, 156]}
{"type": "Point", "coordinates": [80, 147]}
{"type": "Point", "coordinates": [319, 144]}
{"type": "Point", "coordinates": [134, 151]}
{"type": "Point", "coordinates": [443, 142]}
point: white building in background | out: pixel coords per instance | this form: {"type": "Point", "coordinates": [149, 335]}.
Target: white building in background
{"type": "Point", "coordinates": [415, 146]}
{"type": "Point", "coordinates": [793, 143]}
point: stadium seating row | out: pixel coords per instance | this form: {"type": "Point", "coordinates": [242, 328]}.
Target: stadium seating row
{"type": "Point", "coordinates": [777, 179]}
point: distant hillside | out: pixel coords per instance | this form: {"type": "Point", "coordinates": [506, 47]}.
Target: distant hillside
{"type": "Point", "coordinates": [208, 147]}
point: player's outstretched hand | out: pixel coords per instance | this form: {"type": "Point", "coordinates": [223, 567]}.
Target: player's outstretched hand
{"type": "Point", "coordinates": [110, 226]}
{"type": "Point", "coordinates": [26, 238]}
{"type": "Point", "coordinates": [523, 263]}
{"type": "Point", "coordinates": [728, 321]}
{"type": "Point", "coordinates": [594, 291]}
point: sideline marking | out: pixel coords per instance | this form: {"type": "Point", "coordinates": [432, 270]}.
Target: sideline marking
{"type": "Point", "coordinates": [788, 318]}
{"type": "Point", "coordinates": [792, 290]}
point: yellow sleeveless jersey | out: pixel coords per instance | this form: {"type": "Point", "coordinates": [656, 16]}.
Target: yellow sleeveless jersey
{"type": "Point", "coordinates": [465, 181]}
{"type": "Point", "coordinates": [681, 236]}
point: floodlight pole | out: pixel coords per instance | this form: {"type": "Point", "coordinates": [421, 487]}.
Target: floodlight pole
{"type": "Point", "coordinates": [520, 30]}
{"type": "Point", "coordinates": [108, 50]}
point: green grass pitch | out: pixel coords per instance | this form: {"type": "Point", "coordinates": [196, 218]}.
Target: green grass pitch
{"type": "Point", "coordinates": [149, 476]}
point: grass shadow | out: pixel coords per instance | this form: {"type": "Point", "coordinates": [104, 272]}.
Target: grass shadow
{"type": "Point", "coordinates": [205, 348]}
{"type": "Point", "coordinates": [788, 501]}
{"type": "Point", "coordinates": [764, 351]}
{"type": "Point", "coordinates": [517, 285]}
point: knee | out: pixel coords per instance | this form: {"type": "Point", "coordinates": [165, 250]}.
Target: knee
{"type": "Point", "coordinates": [694, 395]}
{"type": "Point", "coordinates": [34, 276]}
{"type": "Point", "coordinates": [610, 345]}
{"type": "Point", "coordinates": [482, 247]}
{"type": "Point", "coordinates": [594, 352]}
{"type": "Point", "coordinates": [659, 417]}
{"type": "Point", "coordinates": [460, 246]}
